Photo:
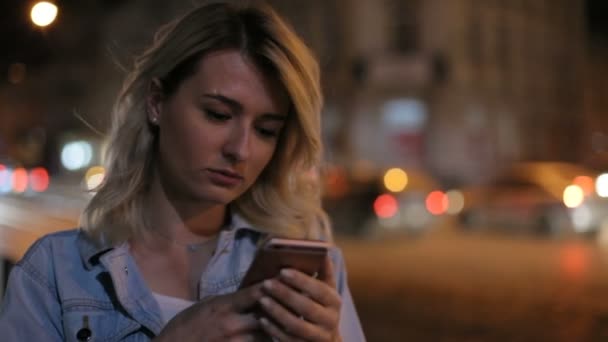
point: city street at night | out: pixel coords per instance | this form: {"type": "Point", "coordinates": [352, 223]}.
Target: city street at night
{"type": "Point", "coordinates": [455, 287]}
{"type": "Point", "coordinates": [459, 150]}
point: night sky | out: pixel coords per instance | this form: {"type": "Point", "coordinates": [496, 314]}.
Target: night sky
{"type": "Point", "coordinates": [20, 42]}
{"type": "Point", "coordinates": [597, 20]}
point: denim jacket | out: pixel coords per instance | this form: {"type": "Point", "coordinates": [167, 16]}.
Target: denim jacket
{"type": "Point", "coordinates": [66, 288]}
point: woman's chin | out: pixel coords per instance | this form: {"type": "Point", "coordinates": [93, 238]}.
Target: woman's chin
{"type": "Point", "coordinates": [221, 197]}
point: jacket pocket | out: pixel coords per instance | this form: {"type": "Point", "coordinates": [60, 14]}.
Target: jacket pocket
{"type": "Point", "coordinates": [87, 323]}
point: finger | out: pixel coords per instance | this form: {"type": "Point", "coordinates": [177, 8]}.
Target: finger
{"type": "Point", "coordinates": [274, 331]}
{"type": "Point", "coordinates": [236, 324]}
{"type": "Point", "coordinates": [300, 304]}
{"type": "Point", "coordinates": [291, 324]}
{"type": "Point", "coordinates": [245, 299]}
{"type": "Point", "coordinates": [244, 323]}
{"type": "Point", "coordinates": [318, 290]}
{"type": "Point", "coordinates": [226, 322]}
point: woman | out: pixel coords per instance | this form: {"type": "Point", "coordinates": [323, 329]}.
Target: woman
{"type": "Point", "coordinates": [214, 137]}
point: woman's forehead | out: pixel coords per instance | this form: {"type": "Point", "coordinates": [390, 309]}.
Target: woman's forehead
{"type": "Point", "coordinates": [234, 75]}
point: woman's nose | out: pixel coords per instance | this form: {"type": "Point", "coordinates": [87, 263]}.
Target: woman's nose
{"type": "Point", "coordinates": [237, 147]}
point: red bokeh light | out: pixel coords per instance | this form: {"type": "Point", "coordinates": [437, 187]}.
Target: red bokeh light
{"type": "Point", "coordinates": [3, 175]}
{"type": "Point", "coordinates": [586, 183]}
{"type": "Point", "coordinates": [386, 206]}
{"type": "Point", "coordinates": [574, 261]}
{"type": "Point", "coordinates": [19, 180]}
{"type": "Point", "coordinates": [437, 202]}
{"type": "Point", "coordinates": [39, 179]}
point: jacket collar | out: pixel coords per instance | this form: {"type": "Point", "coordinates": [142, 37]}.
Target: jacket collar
{"type": "Point", "coordinates": [91, 250]}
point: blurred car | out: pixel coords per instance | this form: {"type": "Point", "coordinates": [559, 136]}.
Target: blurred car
{"type": "Point", "coordinates": [532, 198]}
{"type": "Point", "coordinates": [361, 203]}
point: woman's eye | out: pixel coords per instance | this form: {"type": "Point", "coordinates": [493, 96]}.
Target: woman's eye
{"type": "Point", "coordinates": [268, 133]}
{"type": "Point", "coordinates": [217, 116]}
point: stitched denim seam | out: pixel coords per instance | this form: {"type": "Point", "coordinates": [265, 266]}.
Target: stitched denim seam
{"type": "Point", "coordinates": [81, 304]}
{"type": "Point", "coordinates": [36, 275]}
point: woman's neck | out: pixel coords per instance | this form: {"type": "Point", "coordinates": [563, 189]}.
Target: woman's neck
{"type": "Point", "coordinates": [183, 221]}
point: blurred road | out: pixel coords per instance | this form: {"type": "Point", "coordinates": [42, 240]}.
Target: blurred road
{"type": "Point", "coordinates": [24, 218]}
{"type": "Point", "coordinates": [445, 286]}
{"type": "Point", "coordinates": [458, 287]}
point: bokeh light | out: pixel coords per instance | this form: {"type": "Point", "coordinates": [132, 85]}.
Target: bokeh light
{"type": "Point", "coordinates": [94, 177]}
{"type": "Point", "coordinates": [395, 179]}
{"type": "Point", "coordinates": [386, 206]}
{"type": "Point", "coordinates": [573, 196]}
{"type": "Point", "coordinates": [19, 180]}
{"type": "Point", "coordinates": [586, 183]}
{"type": "Point", "coordinates": [582, 219]}
{"type": "Point", "coordinates": [43, 13]}
{"type": "Point", "coordinates": [437, 202]}
{"type": "Point", "coordinates": [455, 202]}
{"type": "Point", "coordinates": [574, 261]}
{"type": "Point", "coordinates": [39, 179]}
{"type": "Point", "coordinates": [76, 155]}
{"type": "Point", "coordinates": [601, 185]}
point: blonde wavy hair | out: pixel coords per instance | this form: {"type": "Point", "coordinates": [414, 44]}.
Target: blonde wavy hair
{"type": "Point", "coordinates": [286, 198]}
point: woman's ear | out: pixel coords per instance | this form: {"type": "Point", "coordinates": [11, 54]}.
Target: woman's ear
{"type": "Point", "coordinates": [154, 101]}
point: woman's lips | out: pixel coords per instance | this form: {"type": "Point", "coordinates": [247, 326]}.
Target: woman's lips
{"type": "Point", "coordinates": [224, 178]}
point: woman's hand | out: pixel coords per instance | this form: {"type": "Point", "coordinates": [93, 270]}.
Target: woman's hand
{"type": "Point", "coordinates": [300, 307]}
{"type": "Point", "coordinates": [222, 318]}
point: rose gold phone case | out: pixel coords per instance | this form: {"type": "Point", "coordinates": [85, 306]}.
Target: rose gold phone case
{"type": "Point", "coordinates": [307, 256]}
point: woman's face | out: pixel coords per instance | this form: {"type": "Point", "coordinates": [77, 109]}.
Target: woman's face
{"type": "Point", "coordinates": [219, 130]}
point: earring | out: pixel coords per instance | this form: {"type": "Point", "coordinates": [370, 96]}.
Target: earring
{"type": "Point", "coordinates": [154, 120]}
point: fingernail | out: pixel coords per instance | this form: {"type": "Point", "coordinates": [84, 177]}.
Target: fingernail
{"type": "Point", "coordinates": [265, 301]}
{"type": "Point", "coordinates": [263, 320]}
{"type": "Point", "coordinates": [267, 284]}
{"type": "Point", "coordinates": [287, 273]}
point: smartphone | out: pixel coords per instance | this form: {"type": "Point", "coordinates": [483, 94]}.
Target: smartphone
{"type": "Point", "coordinates": [307, 256]}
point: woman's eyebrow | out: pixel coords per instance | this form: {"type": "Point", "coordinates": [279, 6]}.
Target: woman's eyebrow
{"type": "Point", "coordinates": [232, 103]}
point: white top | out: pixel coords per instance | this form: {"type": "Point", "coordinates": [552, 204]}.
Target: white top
{"type": "Point", "coordinates": [171, 306]}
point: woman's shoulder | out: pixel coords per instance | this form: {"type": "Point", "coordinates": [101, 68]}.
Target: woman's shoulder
{"type": "Point", "coordinates": [47, 248]}
{"type": "Point", "coordinates": [41, 259]}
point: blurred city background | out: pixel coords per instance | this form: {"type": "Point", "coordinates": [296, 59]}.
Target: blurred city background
{"type": "Point", "coordinates": [467, 150]}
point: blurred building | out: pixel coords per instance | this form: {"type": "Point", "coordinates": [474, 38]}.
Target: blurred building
{"type": "Point", "coordinates": [456, 87]}
{"type": "Point", "coordinates": [515, 85]}
{"type": "Point", "coordinates": [595, 147]}
{"type": "Point", "coordinates": [459, 87]}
